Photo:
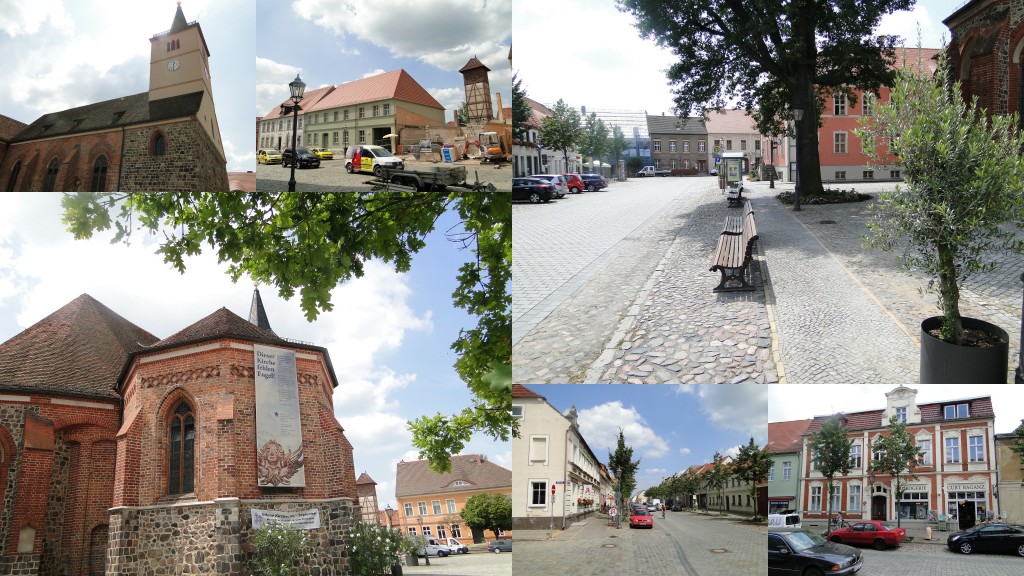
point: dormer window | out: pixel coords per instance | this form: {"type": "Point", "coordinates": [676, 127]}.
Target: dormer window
{"type": "Point", "coordinates": [117, 117]}
{"type": "Point", "coordinates": [901, 414]}
{"type": "Point", "coordinates": [460, 483]}
{"type": "Point", "coordinates": [953, 411]}
{"type": "Point", "coordinates": [77, 122]}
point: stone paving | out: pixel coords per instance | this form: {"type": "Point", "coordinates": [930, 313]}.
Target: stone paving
{"type": "Point", "coordinates": [332, 177]}
{"type": "Point", "coordinates": [477, 563]}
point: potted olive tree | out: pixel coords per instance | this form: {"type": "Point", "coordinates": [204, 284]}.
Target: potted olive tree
{"type": "Point", "coordinates": [960, 207]}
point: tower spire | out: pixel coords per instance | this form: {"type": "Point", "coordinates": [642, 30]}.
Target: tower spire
{"type": "Point", "coordinates": [179, 20]}
{"type": "Point", "coordinates": [257, 315]}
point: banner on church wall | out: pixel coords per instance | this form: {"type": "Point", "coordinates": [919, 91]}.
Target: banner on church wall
{"type": "Point", "coordinates": [279, 458]}
{"type": "Point", "coordinates": [302, 520]}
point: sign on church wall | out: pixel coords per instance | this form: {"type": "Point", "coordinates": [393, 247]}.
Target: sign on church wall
{"type": "Point", "coordinates": [279, 459]}
{"type": "Point", "coordinates": [302, 520]}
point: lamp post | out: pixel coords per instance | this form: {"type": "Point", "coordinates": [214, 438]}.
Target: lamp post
{"type": "Point", "coordinates": [771, 174]}
{"type": "Point", "coordinates": [297, 87]}
{"type": "Point", "coordinates": [798, 115]}
{"type": "Point", "coordinates": [419, 520]}
{"type": "Point", "coordinates": [1018, 374]}
{"type": "Point", "coordinates": [390, 512]}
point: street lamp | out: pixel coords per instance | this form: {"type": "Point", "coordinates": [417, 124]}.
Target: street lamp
{"type": "Point", "coordinates": [419, 520]}
{"type": "Point", "coordinates": [798, 115]}
{"type": "Point", "coordinates": [771, 174]}
{"type": "Point", "coordinates": [297, 87]}
{"type": "Point", "coordinates": [390, 512]}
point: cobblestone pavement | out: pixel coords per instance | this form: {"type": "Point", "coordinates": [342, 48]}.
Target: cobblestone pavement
{"type": "Point", "coordinates": [332, 177]}
{"type": "Point", "coordinates": [476, 563]}
{"type": "Point", "coordinates": [681, 544]}
{"type": "Point", "coordinates": [925, 560]}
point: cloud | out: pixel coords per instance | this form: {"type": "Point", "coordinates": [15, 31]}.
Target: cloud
{"type": "Point", "coordinates": [272, 80]}
{"type": "Point", "coordinates": [376, 72]}
{"type": "Point", "coordinates": [684, 451]}
{"type": "Point", "coordinates": [600, 426]}
{"type": "Point", "coordinates": [904, 24]}
{"type": "Point", "coordinates": [238, 161]}
{"type": "Point", "coordinates": [733, 451]}
{"type": "Point", "coordinates": [734, 407]}
{"type": "Point", "coordinates": [23, 18]}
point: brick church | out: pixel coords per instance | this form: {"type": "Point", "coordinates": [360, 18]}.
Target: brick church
{"type": "Point", "coordinates": [165, 139]}
{"type": "Point", "coordinates": [122, 453]}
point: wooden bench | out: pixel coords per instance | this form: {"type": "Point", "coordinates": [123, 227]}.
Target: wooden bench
{"type": "Point", "coordinates": [733, 254]}
{"type": "Point", "coordinates": [734, 224]}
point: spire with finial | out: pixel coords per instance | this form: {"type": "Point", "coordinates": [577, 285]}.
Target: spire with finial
{"type": "Point", "coordinates": [179, 20]}
{"type": "Point", "coordinates": [257, 315]}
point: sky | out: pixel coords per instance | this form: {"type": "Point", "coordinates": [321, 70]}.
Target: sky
{"type": "Point", "coordinates": [59, 54]}
{"type": "Point", "coordinates": [669, 427]}
{"type": "Point", "coordinates": [346, 41]}
{"type": "Point", "coordinates": [388, 335]}
{"type": "Point", "coordinates": [604, 64]}
{"type": "Point", "coordinates": [799, 402]}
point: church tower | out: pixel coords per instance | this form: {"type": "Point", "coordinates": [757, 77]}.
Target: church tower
{"type": "Point", "coordinates": [478, 92]}
{"type": "Point", "coordinates": [179, 64]}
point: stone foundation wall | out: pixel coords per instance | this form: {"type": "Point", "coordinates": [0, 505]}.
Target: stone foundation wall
{"type": "Point", "coordinates": [213, 537]}
{"type": "Point", "coordinates": [20, 565]}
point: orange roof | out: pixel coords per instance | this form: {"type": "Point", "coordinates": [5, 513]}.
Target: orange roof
{"type": "Point", "coordinates": [917, 58]}
{"type": "Point", "coordinates": [785, 436]}
{"type": "Point", "coordinates": [397, 84]}
{"type": "Point", "coordinates": [309, 99]}
{"type": "Point", "coordinates": [242, 181]}
{"type": "Point", "coordinates": [520, 391]}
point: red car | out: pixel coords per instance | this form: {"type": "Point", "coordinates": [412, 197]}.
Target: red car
{"type": "Point", "coordinates": [574, 183]}
{"type": "Point", "coordinates": [641, 518]}
{"type": "Point", "coordinates": [870, 532]}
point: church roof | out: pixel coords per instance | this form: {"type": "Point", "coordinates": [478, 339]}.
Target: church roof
{"type": "Point", "coordinates": [124, 111]}
{"type": "Point", "coordinates": [364, 478]}
{"type": "Point", "coordinates": [415, 478]}
{"type": "Point", "coordinates": [179, 24]}
{"type": "Point", "coordinates": [179, 20]}
{"type": "Point", "coordinates": [474, 64]}
{"type": "Point", "coordinates": [257, 314]}
{"type": "Point", "coordinates": [397, 84]}
{"type": "Point", "coordinates": [221, 324]}
{"type": "Point", "coordinates": [79, 350]}
{"type": "Point", "coordinates": [9, 127]}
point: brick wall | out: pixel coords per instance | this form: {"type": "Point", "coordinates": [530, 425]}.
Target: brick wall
{"type": "Point", "coordinates": [77, 156]}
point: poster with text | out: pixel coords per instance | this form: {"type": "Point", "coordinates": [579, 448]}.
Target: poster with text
{"type": "Point", "coordinates": [279, 458]}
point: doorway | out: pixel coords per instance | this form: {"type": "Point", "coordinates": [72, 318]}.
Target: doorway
{"type": "Point", "coordinates": [965, 514]}
{"type": "Point", "coordinates": [878, 508]}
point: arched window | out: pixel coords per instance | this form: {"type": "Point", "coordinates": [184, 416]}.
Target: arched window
{"type": "Point", "coordinates": [158, 145]}
{"type": "Point", "coordinates": [51, 175]}
{"type": "Point", "coordinates": [14, 176]}
{"type": "Point", "coordinates": [99, 175]}
{"type": "Point", "coordinates": [181, 436]}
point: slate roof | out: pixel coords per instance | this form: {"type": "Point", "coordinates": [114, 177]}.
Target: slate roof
{"type": "Point", "coordinates": [79, 350]}
{"type": "Point", "coordinates": [785, 436]}
{"type": "Point", "coordinates": [397, 84]}
{"type": "Point", "coordinates": [257, 314]}
{"type": "Point", "coordinates": [124, 111]}
{"type": "Point", "coordinates": [675, 125]}
{"type": "Point", "coordinates": [364, 478]}
{"type": "Point", "coordinates": [414, 478]}
{"type": "Point", "coordinates": [520, 391]}
{"type": "Point", "coordinates": [474, 64]}
{"type": "Point", "coordinates": [309, 100]}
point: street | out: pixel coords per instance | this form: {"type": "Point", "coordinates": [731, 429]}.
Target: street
{"type": "Point", "coordinates": [683, 543]}
{"type": "Point", "coordinates": [935, 559]}
{"type": "Point", "coordinates": [477, 563]}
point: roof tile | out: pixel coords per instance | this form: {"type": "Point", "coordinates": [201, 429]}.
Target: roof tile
{"type": "Point", "coordinates": [397, 84]}
{"type": "Point", "coordinates": [415, 478]}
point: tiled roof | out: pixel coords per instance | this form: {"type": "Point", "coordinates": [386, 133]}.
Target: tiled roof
{"type": "Point", "coordinates": [917, 59]}
{"type": "Point", "coordinates": [785, 436]}
{"type": "Point", "coordinates": [242, 181]}
{"type": "Point", "coordinates": [397, 84]}
{"type": "Point", "coordinates": [124, 111]}
{"type": "Point", "coordinates": [931, 412]}
{"type": "Point", "coordinates": [9, 127]}
{"type": "Point", "coordinates": [474, 64]}
{"type": "Point", "coordinates": [221, 324]}
{"type": "Point", "coordinates": [675, 125]}
{"type": "Point", "coordinates": [309, 100]}
{"type": "Point", "coordinates": [730, 122]}
{"type": "Point", "coordinates": [520, 391]}
{"type": "Point", "coordinates": [79, 350]}
{"type": "Point", "coordinates": [415, 478]}
{"type": "Point", "coordinates": [364, 478]}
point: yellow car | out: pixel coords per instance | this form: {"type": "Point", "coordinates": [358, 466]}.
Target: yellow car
{"type": "Point", "coordinates": [323, 153]}
{"type": "Point", "coordinates": [268, 156]}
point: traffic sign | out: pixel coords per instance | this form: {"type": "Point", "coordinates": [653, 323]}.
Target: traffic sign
{"type": "Point", "coordinates": [552, 489]}
{"type": "Point", "coordinates": [716, 149]}
{"type": "Point", "coordinates": [559, 481]}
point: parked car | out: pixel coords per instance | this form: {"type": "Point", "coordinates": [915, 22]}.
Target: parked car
{"type": "Point", "coordinates": [989, 538]}
{"type": "Point", "coordinates": [533, 189]}
{"type": "Point", "coordinates": [557, 181]}
{"type": "Point", "coordinates": [268, 156]}
{"type": "Point", "coordinates": [870, 532]}
{"type": "Point", "coordinates": [499, 546]}
{"type": "Point", "coordinates": [365, 158]}
{"type": "Point", "coordinates": [594, 182]}
{"type": "Point", "coordinates": [451, 544]}
{"type": "Point", "coordinates": [323, 153]}
{"type": "Point", "coordinates": [641, 518]}
{"type": "Point", "coordinates": [677, 507]}
{"type": "Point", "coordinates": [574, 182]}
{"type": "Point", "coordinates": [433, 550]}
{"type": "Point", "coordinates": [802, 552]}
{"type": "Point", "coordinates": [714, 172]}
{"type": "Point", "coordinates": [653, 507]}
{"type": "Point", "coordinates": [303, 159]}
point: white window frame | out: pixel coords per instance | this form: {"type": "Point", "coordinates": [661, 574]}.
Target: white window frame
{"type": "Point", "coordinates": [787, 470]}
{"type": "Point", "coordinates": [771, 472]}
{"type": "Point", "coordinates": [815, 501]}
{"type": "Point", "coordinates": [535, 456]}
{"type": "Point", "coordinates": [544, 492]}
{"type": "Point", "coordinates": [949, 445]}
{"type": "Point", "coordinates": [840, 174]}
{"type": "Point", "coordinates": [973, 447]}
{"type": "Point", "coordinates": [853, 498]}
{"type": "Point", "coordinates": [869, 174]}
{"type": "Point", "coordinates": [901, 414]}
{"type": "Point", "coordinates": [839, 140]}
{"type": "Point", "coordinates": [656, 145]}
{"type": "Point", "coordinates": [839, 105]}
{"type": "Point", "coordinates": [671, 145]}
{"type": "Point", "coordinates": [517, 412]}
{"type": "Point", "coordinates": [450, 502]}
{"type": "Point", "coordinates": [856, 453]}
{"type": "Point", "coordinates": [925, 445]}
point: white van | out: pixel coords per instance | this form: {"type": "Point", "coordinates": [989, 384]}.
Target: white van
{"type": "Point", "coordinates": [366, 158]}
{"type": "Point", "coordinates": [786, 520]}
{"type": "Point", "coordinates": [453, 545]}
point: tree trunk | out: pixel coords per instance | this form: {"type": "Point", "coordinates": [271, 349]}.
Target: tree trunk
{"type": "Point", "coordinates": [952, 324]}
{"type": "Point", "coordinates": [803, 98]}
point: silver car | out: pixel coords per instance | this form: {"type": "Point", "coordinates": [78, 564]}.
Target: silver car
{"type": "Point", "coordinates": [557, 182]}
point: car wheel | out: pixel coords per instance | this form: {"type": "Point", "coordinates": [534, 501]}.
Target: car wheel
{"type": "Point", "coordinates": [1020, 550]}
{"type": "Point", "coordinates": [591, 188]}
{"type": "Point", "coordinates": [348, 168]}
{"type": "Point", "coordinates": [880, 544]}
{"type": "Point", "coordinates": [441, 554]}
{"type": "Point", "coordinates": [836, 539]}
{"type": "Point", "coordinates": [497, 550]}
{"type": "Point", "coordinates": [576, 190]}
{"type": "Point", "coordinates": [965, 548]}
{"type": "Point", "coordinates": [377, 171]}
{"type": "Point", "coordinates": [813, 571]}
{"type": "Point", "coordinates": [534, 197]}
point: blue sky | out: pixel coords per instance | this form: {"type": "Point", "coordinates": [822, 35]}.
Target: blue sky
{"type": "Point", "coordinates": [59, 54]}
{"type": "Point", "coordinates": [388, 335]}
{"type": "Point", "coordinates": [330, 42]}
{"type": "Point", "coordinates": [669, 427]}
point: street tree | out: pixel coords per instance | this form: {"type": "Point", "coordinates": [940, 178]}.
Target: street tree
{"type": "Point", "coordinates": [562, 130]}
{"type": "Point", "coordinates": [311, 243]}
{"type": "Point", "coordinates": [462, 114]}
{"type": "Point", "coordinates": [716, 477]}
{"type": "Point", "coordinates": [830, 453]}
{"type": "Point", "coordinates": [616, 146]}
{"type": "Point", "coordinates": [689, 485]}
{"type": "Point", "coordinates": [751, 466]}
{"type": "Point", "coordinates": [771, 58]}
{"type": "Point", "coordinates": [895, 454]}
{"type": "Point", "coordinates": [1018, 442]}
{"type": "Point", "coordinates": [595, 138]}
{"type": "Point", "coordinates": [624, 467]}
{"type": "Point", "coordinates": [488, 511]}
{"type": "Point", "coordinates": [521, 112]}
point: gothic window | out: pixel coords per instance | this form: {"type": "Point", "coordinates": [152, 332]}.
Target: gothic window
{"type": "Point", "coordinates": [51, 175]}
{"type": "Point", "coordinates": [14, 176]}
{"type": "Point", "coordinates": [159, 147]}
{"type": "Point", "coordinates": [181, 436]}
{"type": "Point", "coordinates": [99, 175]}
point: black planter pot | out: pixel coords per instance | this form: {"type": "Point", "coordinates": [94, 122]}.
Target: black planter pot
{"type": "Point", "coordinates": [945, 363]}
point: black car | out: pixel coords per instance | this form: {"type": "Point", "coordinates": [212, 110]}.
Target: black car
{"type": "Point", "coordinates": [594, 182]}
{"type": "Point", "coordinates": [989, 538]}
{"type": "Point", "coordinates": [802, 552]}
{"type": "Point", "coordinates": [677, 507]}
{"type": "Point", "coordinates": [306, 158]}
{"type": "Point", "coordinates": [532, 189]}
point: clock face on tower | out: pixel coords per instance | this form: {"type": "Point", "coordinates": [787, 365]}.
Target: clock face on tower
{"type": "Point", "coordinates": [173, 65]}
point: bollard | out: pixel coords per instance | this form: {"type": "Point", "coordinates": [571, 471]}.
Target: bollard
{"type": "Point", "coordinates": [1018, 375]}
{"type": "Point", "coordinates": [928, 533]}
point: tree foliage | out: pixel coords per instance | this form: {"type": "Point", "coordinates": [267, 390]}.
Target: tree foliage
{"type": "Point", "coordinates": [751, 466]}
{"type": "Point", "coordinates": [716, 477]}
{"type": "Point", "coordinates": [623, 466]}
{"type": "Point", "coordinates": [595, 138]}
{"type": "Point", "coordinates": [830, 453]}
{"type": "Point", "coordinates": [772, 57]}
{"type": "Point", "coordinates": [897, 456]}
{"type": "Point", "coordinates": [562, 130]}
{"type": "Point", "coordinates": [616, 146]}
{"type": "Point", "coordinates": [310, 243]}
{"type": "Point", "coordinates": [521, 112]}
{"type": "Point", "coordinates": [488, 511]}
{"type": "Point", "coordinates": [957, 212]}
{"type": "Point", "coordinates": [1018, 442]}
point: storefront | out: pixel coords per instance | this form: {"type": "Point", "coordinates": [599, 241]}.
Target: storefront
{"type": "Point", "coordinates": [913, 503]}
{"type": "Point", "coordinates": [777, 504]}
{"type": "Point", "coordinates": [966, 504]}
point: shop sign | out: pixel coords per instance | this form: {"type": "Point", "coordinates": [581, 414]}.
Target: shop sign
{"type": "Point", "coordinates": [964, 487]}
